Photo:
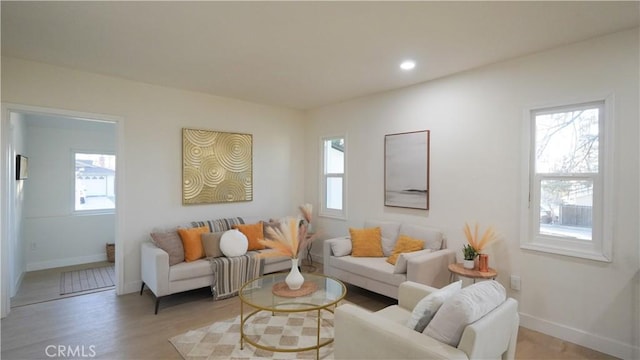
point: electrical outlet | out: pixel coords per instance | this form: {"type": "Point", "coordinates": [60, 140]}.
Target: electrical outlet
{"type": "Point", "coordinates": [515, 282]}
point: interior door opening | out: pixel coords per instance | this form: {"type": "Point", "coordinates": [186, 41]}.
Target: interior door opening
{"type": "Point", "coordinates": [59, 220]}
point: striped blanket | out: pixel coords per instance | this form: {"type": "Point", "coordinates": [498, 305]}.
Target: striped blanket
{"type": "Point", "coordinates": [219, 224]}
{"type": "Point", "coordinates": [229, 274]}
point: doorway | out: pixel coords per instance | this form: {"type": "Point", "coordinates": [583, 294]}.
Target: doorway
{"type": "Point", "coordinates": [43, 226]}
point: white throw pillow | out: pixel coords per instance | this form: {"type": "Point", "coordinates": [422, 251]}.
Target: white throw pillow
{"type": "Point", "coordinates": [463, 308]}
{"type": "Point", "coordinates": [233, 243]}
{"type": "Point", "coordinates": [389, 231]}
{"type": "Point", "coordinates": [401, 263]}
{"type": "Point", "coordinates": [341, 247]}
{"type": "Point", "coordinates": [432, 237]}
{"type": "Point", "coordinates": [427, 307]}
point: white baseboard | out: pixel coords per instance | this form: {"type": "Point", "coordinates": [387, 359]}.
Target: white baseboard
{"type": "Point", "coordinates": [580, 337]}
{"type": "Point", "coordinates": [49, 264]}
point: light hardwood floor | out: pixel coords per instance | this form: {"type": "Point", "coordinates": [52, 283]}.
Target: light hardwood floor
{"type": "Point", "coordinates": [44, 285]}
{"type": "Point", "coordinates": [124, 327]}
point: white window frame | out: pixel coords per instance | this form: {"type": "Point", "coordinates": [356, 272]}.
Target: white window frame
{"type": "Point", "coordinates": [324, 211]}
{"type": "Point", "coordinates": [82, 212]}
{"type": "Point", "coordinates": [599, 248]}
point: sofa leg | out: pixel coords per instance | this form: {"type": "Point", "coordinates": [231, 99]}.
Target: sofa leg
{"type": "Point", "coordinates": [157, 304]}
{"type": "Point", "coordinates": [142, 288]}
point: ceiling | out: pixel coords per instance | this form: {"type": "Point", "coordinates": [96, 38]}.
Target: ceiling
{"type": "Point", "coordinates": [296, 54]}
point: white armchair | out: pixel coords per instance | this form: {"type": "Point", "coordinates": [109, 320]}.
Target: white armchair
{"type": "Point", "coordinates": [361, 334]}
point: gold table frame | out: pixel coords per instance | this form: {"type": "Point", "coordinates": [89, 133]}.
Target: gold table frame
{"type": "Point", "coordinates": [277, 304]}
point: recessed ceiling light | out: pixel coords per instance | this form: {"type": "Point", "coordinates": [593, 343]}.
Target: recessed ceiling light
{"type": "Point", "coordinates": [407, 65]}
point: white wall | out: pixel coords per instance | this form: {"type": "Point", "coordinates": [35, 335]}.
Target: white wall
{"type": "Point", "coordinates": [54, 236]}
{"type": "Point", "coordinates": [475, 120]}
{"type": "Point", "coordinates": [152, 161]}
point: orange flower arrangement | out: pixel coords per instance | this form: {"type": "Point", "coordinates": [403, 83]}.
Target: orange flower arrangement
{"type": "Point", "coordinates": [289, 236]}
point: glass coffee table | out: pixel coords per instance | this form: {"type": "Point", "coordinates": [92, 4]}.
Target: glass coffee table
{"type": "Point", "coordinates": [260, 294]}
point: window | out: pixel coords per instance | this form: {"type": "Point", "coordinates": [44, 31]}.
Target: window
{"type": "Point", "coordinates": [565, 213]}
{"type": "Point", "coordinates": [94, 183]}
{"type": "Point", "coordinates": [333, 179]}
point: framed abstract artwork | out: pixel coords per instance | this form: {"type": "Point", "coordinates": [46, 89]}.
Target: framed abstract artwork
{"type": "Point", "coordinates": [217, 167]}
{"type": "Point", "coordinates": [406, 170]}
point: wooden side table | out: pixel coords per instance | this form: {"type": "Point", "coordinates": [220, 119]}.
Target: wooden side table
{"type": "Point", "coordinates": [458, 269]}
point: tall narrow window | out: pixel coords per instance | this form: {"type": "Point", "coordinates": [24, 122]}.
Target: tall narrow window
{"type": "Point", "coordinates": [333, 179]}
{"type": "Point", "coordinates": [566, 174]}
{"type": "Point", "coordinates": [94, 183]}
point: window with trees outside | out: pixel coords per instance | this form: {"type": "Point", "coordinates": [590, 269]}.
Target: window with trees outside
{"type": "Point", "coordinates": [333, 179]}
{"type": "Point", "coordinates": [565, 211]}
{"type": "Point", "coordinates": [94, 183]}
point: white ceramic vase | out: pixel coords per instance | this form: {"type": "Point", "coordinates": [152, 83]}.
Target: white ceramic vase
{"type": "Point", "coordinates": [295, 279]}
{"type": "Point", "coordinates": [469, 264]}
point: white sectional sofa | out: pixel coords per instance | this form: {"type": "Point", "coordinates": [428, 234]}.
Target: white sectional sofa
{"type": "Point", "coordinates": [164, 280]}
{"type": "Point", "coordinates": [429, 266]}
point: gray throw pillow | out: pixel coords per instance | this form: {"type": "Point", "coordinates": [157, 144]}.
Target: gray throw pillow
{"type": "Point", "coordinates": [211, 244]}
{"type": "Point", "coordinates": [171, 243]}
{"type": "Point", "coordinates": [426, 308]}
{"type": "Point", "coordinates": [463, 308]}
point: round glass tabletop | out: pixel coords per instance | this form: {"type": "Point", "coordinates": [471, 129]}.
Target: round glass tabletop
{"type": "Point", "coordinates": [259, 293]}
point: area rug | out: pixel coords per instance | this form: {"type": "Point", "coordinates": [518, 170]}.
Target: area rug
{"type": "Point", "coordinates": [87, 279]}
{"type": "Point", "coordinates": [221, 340]}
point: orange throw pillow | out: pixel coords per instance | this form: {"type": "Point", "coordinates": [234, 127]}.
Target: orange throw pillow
{"type": "Point", "coordinates": [192, 242]}
{"type": "Point", "coordinates": [405, 244]}
{"type": "Point", "coordinates": [366, 242]}
{"type": "Point", "coordinates": [254, 233]}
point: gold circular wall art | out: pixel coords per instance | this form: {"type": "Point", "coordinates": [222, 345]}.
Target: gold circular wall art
{"type": "Point", "coordinates": [217, 167]}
